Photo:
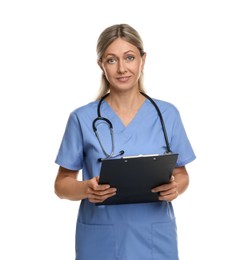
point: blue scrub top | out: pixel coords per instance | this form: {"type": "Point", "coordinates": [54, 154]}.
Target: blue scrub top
{"type": "Point", "coordinates": [131, 231]}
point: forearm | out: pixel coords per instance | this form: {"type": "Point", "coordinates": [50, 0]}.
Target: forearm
{"type": "Point", "coordinates": [67, 186]}
{"type": "Point", "coordinates": [70, 188]}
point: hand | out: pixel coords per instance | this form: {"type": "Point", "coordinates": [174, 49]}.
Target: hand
{"type": "Point", "coordinates": [167, 192]}
{"type": "Point", "coordinates": [98, 192]}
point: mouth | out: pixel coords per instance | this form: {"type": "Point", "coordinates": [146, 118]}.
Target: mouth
{"type": "Point", "coordinates": [123, 79]}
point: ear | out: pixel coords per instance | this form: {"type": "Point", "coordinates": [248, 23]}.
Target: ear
{"type": "Point", "coordinates": [144, 56]}
{"type": "Point", "coordinates": [143, 60]}
{"type": "Point", "coordinates": [100, 64]}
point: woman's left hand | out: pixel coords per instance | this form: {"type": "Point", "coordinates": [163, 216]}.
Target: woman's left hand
{"type": "Point", "coordinates": [177, 185]}
{"type": "Point", "coordinates": [167, 191]}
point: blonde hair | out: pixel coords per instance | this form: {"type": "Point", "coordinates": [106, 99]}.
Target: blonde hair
{"type": "Point", "coordinates": [110, 34]}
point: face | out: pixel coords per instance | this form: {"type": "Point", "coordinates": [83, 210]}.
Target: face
{"type": "Point", "coordinates": [122, 64]}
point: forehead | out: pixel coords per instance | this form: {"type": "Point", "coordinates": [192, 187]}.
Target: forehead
{"type": "Point", "coordinates": [119, 47]}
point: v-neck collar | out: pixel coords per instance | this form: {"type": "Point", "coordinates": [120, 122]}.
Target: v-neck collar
{"type": "Point", "coordinates": [108, 112]}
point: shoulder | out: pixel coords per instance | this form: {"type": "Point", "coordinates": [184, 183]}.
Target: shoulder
{"type": "Point", "coordinates": [166, 107]}
{"type": "Point", "coordinates": [87, 109]}
{"type": "Point", "coordinates": [81, 115]}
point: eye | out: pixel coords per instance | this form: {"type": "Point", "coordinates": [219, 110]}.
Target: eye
{"type": "Point", "coordinates": [111, 61]}
{"type": "Point", "coordinates": [130, 58]}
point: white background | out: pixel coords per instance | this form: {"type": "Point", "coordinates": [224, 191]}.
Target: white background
{"type": "Point", "coordinates": [197, 58]}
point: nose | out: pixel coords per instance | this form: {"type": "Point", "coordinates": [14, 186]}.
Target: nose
{"type": "Point", "coordinates": [121, 67]}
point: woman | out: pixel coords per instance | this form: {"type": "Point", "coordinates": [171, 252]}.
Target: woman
{"type": "Point", "coordinates": [128, 231]}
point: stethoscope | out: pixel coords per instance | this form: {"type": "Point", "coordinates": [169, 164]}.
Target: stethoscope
{"type": "Point", "coordinates": [100, 118]}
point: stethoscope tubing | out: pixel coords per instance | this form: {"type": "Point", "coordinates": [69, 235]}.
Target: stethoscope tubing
{"type": "Point", "coordinates": [168, 150]}
{"type": "Point", "coordinates": [97, 135]}
{"type": "Point", "coordinates": [100, 118]}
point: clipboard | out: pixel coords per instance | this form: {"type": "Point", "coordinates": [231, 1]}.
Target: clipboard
{"type": "Point", "coordinates": [135, 176]}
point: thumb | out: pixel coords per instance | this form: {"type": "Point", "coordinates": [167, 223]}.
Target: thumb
{"type": "Point", "coordinates": [97, 179]}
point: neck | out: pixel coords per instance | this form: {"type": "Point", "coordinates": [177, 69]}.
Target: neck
{"type": "Point", "coordinates": [125, 105]}
{"type": "Point", "coordinates": [125, 101]}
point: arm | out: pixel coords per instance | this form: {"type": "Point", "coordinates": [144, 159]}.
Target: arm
{"type": "Point", "coordinates": [178, 184]}
{"type": "Point", "coordinates": [67, 186]}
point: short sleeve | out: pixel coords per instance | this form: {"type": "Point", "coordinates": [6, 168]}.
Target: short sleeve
{"type": "Point", "coordinates": [180, 143]}
{"type": "Point", "coordinates": [70, 154]}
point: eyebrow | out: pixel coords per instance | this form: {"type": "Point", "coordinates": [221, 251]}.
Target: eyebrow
{"type": "Point", "coordinates": [112, 54]}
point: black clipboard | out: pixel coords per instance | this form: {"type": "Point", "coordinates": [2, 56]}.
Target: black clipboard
{"type": "Point", "coordinates": [134, 177]}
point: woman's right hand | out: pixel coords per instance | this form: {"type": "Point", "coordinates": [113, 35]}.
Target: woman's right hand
{"type": "Point", "coordinates": [96, 192]}
{"type": "Point", "coordinates": [67, 186]}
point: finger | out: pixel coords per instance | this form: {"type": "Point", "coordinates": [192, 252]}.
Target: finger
{"type": "Point", "coordinates": [98, 192]}
{"type": "Point", "coordinates": [169, 192]}
{"type": "Point", "coordinates": [101, 187]}
{"type": "Point", "coordinates": [95, 198]}
{"type": "Point", "coordinates": [164, 187]}
{"type": "Point", "coordinates": [168, 197]}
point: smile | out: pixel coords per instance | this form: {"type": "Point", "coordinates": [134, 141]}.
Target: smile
{"type": "Point", "coordinates": [123, 79]}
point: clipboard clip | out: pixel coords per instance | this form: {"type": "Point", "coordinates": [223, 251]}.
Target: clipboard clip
{"type": "Point", "coordinates": [140, 155]}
